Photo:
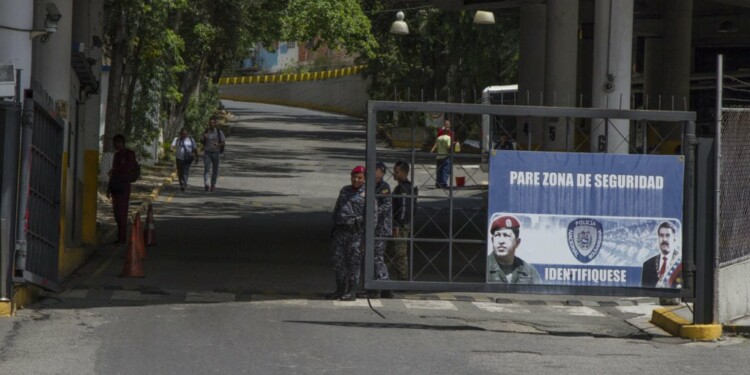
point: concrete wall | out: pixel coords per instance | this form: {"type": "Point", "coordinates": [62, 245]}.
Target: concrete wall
{"type": "Point", "coordinates": [347, 95]}
{"type": "Point", "coordinates": [733, 291]}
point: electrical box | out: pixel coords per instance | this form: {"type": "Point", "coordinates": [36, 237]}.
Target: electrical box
{"type": "Point", "coordinates": [7, 81]}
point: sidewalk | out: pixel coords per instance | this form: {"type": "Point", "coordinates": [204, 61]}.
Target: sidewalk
{"type": "Point", "coordinates": [144, 191]}
{"type": "Point", "coordinates": [678, 321]}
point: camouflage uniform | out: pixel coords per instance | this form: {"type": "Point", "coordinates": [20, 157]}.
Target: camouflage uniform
{"type": "Point", "coordinates": [383, 228]}
{"type": "Point", "coordinates": [348, 233]}
{"type": "Point", "coordinates": [520, 273]}
{"type": "Point", "coordinates": [398, 250]}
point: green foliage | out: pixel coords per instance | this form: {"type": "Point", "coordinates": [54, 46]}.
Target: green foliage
{"type": "Point", "coordinates": [444, 55]}
{"type": "Point", "coordinates": [201, 108]}
{"type": "Point", "coordinates": [164, 49]}
{"type": "Point", "coordinates": [340, 23]}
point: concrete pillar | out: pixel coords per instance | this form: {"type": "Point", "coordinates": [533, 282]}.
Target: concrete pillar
{"type": "Point", "coordinates": [652, 72]}
{"type": "Point", "coordinates": [88, 21]}
{"type": "Point", "coordinates": [531, 71]}
{"type": "Point", "coordinates": [678, 25]}
{"type": "Point", "coordinates": [668, 57]}
{"type": "Point", "coordinates": [613, 49]}
{"type": "Point", "coordinates": [52, 70]}
{"type": "Point", "coordinates": [560, 69]}
{"type": "Point", "coordinates": [15, 45]}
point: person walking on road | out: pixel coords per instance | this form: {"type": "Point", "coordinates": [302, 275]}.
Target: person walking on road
{"type": "Point", "coordinates": [186, 151]}
{"type": "Point", "coordinates": [213, 144]}
{"type": "Point", "coordinates": [348, 236]}
{"type": "Point", "coordinates": [402, 211]}
{"type": "Point", "coordinates": [118, 189]}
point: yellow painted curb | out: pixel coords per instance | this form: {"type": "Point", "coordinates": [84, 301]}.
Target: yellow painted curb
{"type": "Point", "coordinates": [666, 319]}
{"type": "Point", "coordinates": [701, 331]}
{"type": "Point", "coordinates": [23, 295]}
{"type": "Point", "coordinates": [6, 309]}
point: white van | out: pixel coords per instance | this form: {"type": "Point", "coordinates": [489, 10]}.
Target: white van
{"type": "Point", "coordinates": [493, 126]}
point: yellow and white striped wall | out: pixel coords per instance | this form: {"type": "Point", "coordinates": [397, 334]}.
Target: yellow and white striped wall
{"type": "Point", "coordinates": [293, 77]}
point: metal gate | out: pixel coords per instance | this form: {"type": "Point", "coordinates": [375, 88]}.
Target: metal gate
{"type": "Point", "coordinates": [41, 172]}
{"type": "Point", "coordinates": [447, 239]}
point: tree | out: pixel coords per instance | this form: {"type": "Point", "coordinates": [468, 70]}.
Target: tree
{"type": "Point", "coordinates": [444, 55]}
{"type": "Point", "coordinates": [162, 51]}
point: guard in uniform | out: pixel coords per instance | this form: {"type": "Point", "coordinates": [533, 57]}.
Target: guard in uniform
{"type": "Point", "coordinates": [348, 236]}
{"type": "Point", "coordinates": [402, 213]}
{"type": "Point", "coordinates": [383, 226]}
{"type": "Point", "coordinates": [503, 266]}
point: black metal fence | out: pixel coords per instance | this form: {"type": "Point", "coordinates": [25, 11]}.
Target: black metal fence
{"type": "Point", "coordinates": [39, 237]}
{"type": "Point", "coordinates": [447, 240]}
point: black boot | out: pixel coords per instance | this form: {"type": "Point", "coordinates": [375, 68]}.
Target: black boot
{"type": "Point", "coordinates": [340, 289]}
{"type": "Point", "coordinates": [351, 291]}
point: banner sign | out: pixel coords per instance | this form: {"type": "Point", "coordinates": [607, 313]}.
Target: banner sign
{"type": "Point", "coordinates": [606, 220]}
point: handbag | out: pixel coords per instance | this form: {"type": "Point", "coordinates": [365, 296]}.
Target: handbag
{"type": "Point", "coordinates": [187, 157]}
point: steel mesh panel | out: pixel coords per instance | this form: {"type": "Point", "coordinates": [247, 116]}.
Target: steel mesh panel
{"type": "Point", "coordinates": [734, 231]}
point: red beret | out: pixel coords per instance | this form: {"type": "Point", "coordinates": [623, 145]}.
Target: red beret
{"type": "Point", "coordinates": [505, 222]}
{"type": "Point", "coordinates": [358, 169]}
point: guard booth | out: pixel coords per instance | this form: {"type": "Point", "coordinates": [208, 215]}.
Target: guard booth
{"type": "Point", "coordinates": [590, 223]}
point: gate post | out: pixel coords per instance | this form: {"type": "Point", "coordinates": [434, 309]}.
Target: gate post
{"type": "Point", "coordinates": [372, 126]}
{"type": "Point", "coordinates": [688, 229]}
{"type": "Point", "coordinates": [27, 121]}
{"type": "Point", "coordinates": [705, 223]}
{"type": "Point", "coordinates": [10, 115]}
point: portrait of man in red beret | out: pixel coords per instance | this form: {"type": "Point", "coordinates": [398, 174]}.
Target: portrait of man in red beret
{"type": "Point", "coordinates": [503, 266]}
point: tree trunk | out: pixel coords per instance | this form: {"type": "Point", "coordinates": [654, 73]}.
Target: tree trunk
{"type": "Point", "coordinates": [190, 82]}
{"type": "Point", "coordinates": [114, 93]}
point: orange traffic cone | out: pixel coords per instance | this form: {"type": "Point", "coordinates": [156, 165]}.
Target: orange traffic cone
{"type": "Point", "coordinates": [140, 245]}
{"type": "Point", "coordinates": [133, 266]}
{"type": "Point", "coordinates": [150, 230]}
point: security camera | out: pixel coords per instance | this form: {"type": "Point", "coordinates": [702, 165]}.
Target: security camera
{"type": "Point", "coordinates": [52, 18]}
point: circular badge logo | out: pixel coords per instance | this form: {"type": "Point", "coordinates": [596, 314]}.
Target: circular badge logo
{"type": "Point", "coordinates": [585, 238]}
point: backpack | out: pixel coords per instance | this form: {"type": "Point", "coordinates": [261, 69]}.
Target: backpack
{"type": "Point", "coordinates": [220, 137]}
{"type": "Point", "coordinates": [135, 175]}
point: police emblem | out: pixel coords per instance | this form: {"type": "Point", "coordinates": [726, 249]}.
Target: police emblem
{"type": "Point", "coordinates": [585, 238]}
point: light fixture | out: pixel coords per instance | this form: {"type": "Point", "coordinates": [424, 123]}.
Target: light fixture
{"type": "Point", "coordinates": [51, 19]}
{"type": "Point", "coordinates": [726, 27]}
{"type": "Point", "coordinates": [483, 17]}
{"type": "Point", "coordinates": [399, 26]}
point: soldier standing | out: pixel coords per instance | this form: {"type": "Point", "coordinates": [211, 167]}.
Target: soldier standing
{"type": "Point", "coordinates": [348, 236]}
{"type": "Point", "coordinates": [383, 227]}
{"type": "Point", "coordinates": [402, 212]}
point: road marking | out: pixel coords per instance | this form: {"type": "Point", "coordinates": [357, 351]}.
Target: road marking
{"type": "Point", "coordinates": [209, 297]}
{"type": "Point", "coordinates": [644, 309]}
{"type": "Point", "coordinates": [75, 293]}
{"type": "Point", "coordinates": [429, 305]}
{"type": "Point", "coordinates": [99, 270]}
{"type": "Point", "coordinates": [358, 303]}
{"type": "Point", "coordinates": [577, 310]}
{"type": "Point", "coordinates": [501, 308]}
{"type": "Point", "coordinates": [134, 295]}
{"type": "Point", "coordinates": [271, 302]}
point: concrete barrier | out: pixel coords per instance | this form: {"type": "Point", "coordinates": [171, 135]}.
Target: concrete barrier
{"type": "Point", "coordinates": [345, 95]}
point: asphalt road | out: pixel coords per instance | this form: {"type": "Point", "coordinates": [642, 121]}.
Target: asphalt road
{"type": "Point", "coordinates": [231, 288]}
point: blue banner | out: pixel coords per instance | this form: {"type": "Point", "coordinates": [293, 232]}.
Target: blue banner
{"type": "Point", "coordinates": [585, 219]}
